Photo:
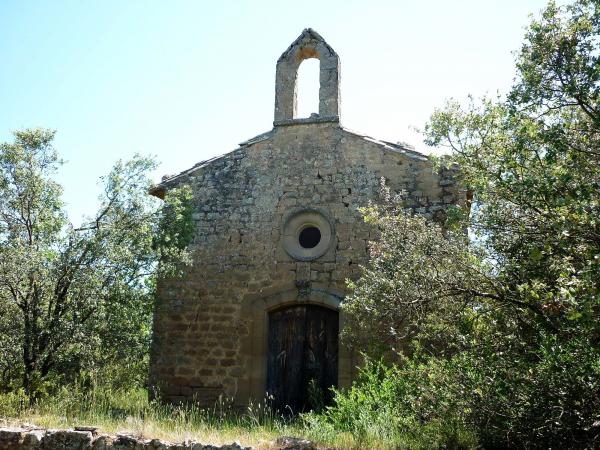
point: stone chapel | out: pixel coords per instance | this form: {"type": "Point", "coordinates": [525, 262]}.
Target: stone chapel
{"type": "Point", "coordinates": [278, 232]}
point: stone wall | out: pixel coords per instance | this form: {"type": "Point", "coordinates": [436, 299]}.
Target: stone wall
{"type": "Point", "coordinates": [88, 439]}
{"type": "Point", "coordinates": [210, 326]}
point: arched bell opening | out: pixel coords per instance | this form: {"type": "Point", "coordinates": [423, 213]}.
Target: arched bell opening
{"type": "Point", "coordinates": [309, 45]}
{"type": "Point", "coordinates": [307, 88]}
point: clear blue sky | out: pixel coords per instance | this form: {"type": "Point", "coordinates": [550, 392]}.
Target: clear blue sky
{"type": "Point", "coordinates": [188, 80]}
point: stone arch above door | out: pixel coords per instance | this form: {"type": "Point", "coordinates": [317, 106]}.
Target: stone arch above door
{"type": "Point", "coordinates": [257, 346]}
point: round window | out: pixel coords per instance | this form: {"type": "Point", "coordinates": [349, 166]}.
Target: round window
{"type": "Point", "coordinates": [306, 235]}
{"type": "Point", "coordinates": [309, 237]}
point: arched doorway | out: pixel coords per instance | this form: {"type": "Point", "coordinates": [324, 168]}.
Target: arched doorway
{"type": "Point", "coordinates": [302, 359]}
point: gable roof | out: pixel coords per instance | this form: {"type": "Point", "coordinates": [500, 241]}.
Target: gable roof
{"type": "Point", "coordinates": [169, 181]}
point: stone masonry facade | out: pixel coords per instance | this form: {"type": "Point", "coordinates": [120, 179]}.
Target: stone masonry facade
{"type": "Point", "coordinates": [211, 326]}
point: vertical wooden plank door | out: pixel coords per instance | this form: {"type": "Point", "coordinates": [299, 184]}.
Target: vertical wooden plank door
{"type": "Point", "coordinates": [302, 361]}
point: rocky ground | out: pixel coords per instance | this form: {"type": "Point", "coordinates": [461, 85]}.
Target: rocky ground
{"type": "Point", "coordinates": [88, 438]}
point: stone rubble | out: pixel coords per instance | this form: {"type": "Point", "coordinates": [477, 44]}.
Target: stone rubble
{"type": "Point", "coordinates": [28, 438]}
{"type": "Point", "coordinates": [292, 443]}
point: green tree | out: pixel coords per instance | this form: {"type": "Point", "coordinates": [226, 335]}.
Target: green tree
{"type": "Point", "coordinates": [534, 164]}
{"type": "Point", "coordinates": [515, 310]}
{"type": "Point", "coordinates": [416, 272]}
{"type": "Point", "coordinates": [75, 298]}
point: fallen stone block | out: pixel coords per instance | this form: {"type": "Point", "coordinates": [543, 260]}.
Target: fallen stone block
{"type": "Point", "coordinates": [10, 438]}
{"type": "Point", "coordinates": [32, 440]}
{"type": "Point", "coordinates": [102, 442]}
{"type": "Point", "coordinates": [66, 440]}
{"type": "Point", "coordinates": [292, 443]}
{"type": "Point", "coordinates": [124, 442]}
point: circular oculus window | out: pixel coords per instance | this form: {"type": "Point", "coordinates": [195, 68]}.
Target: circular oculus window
{"type": "Point", "coordinates": [306, 235]}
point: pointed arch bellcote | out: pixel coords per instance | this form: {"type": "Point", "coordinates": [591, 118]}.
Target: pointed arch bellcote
{"type": "Point", "coordinates": [308, 45]}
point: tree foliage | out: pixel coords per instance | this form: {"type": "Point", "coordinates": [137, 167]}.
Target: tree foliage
{"type": "Point", "coordinates": [416, 269]}
{"type": "Point", "coordinates": [76, 298]}
{"type": "Point", "coordinates": [510, 316]}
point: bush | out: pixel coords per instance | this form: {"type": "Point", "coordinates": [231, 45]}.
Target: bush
{"type": "Point", "coordinates": [407, 406]}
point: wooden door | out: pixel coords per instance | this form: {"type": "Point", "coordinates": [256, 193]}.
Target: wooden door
{"type": "Point", "coordinates": [302, 356]}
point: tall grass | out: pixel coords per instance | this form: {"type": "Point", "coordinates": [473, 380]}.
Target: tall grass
{"type": "Point", "coordinates": [130, 411]}
{"type": "Point", "coordinates": [366, 416]}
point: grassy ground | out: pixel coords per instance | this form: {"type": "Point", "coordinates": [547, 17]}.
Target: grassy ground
{"type": "Point", "coordinates": [131, 412]}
